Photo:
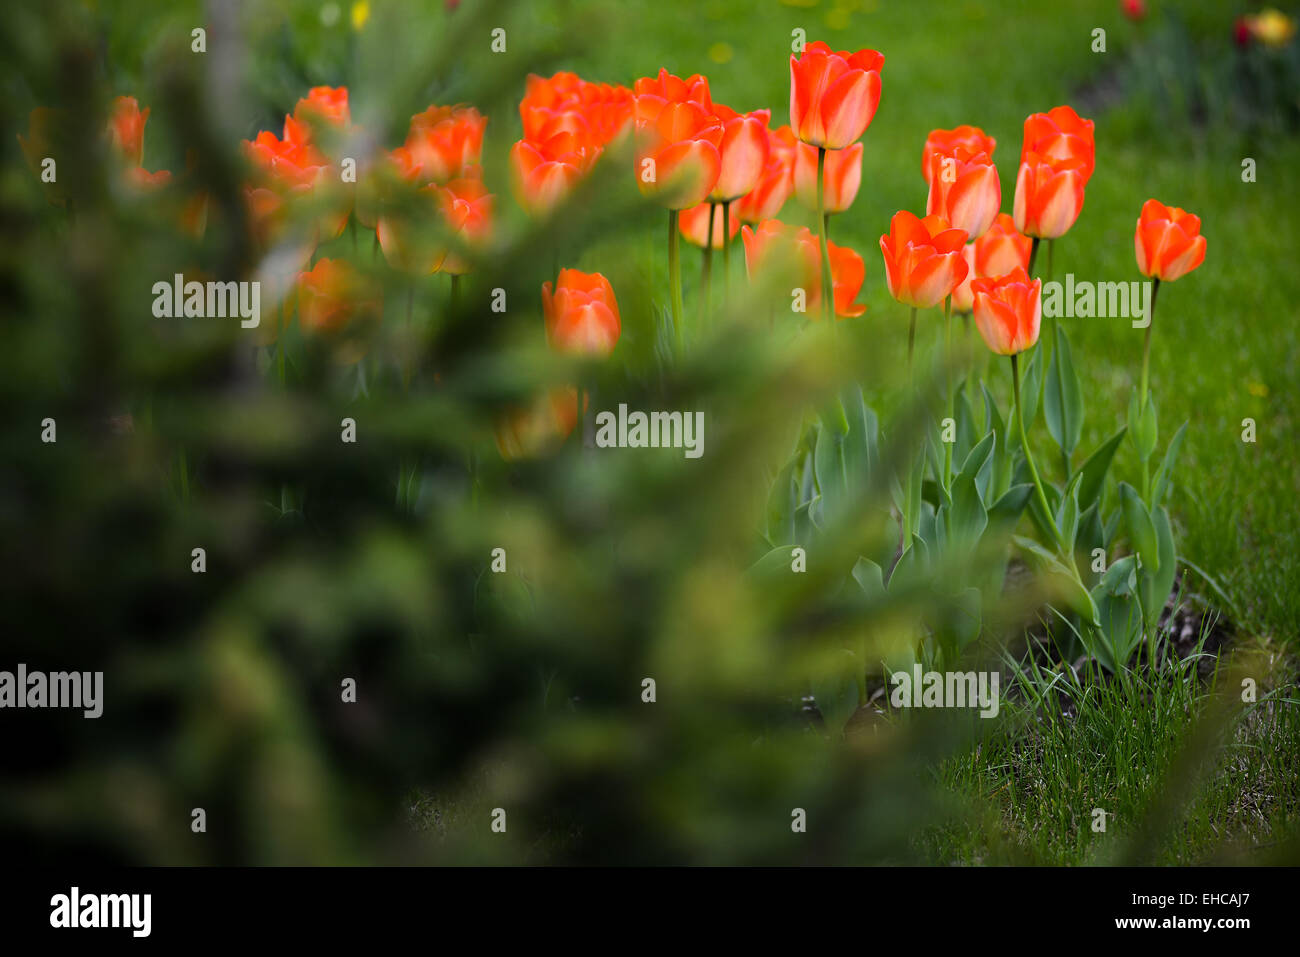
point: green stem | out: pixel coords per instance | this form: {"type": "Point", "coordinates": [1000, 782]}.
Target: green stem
{"type": "Point", "coordinates": [1029, 460]}
{"type": "Point", "coordinates": [1033, 256]}
{"type": "Point", "coordinates": [828, 287]}
{"type": "Point", "coordinates": [1143, 387]}
{"type": "Point", "coordinates": [726, 251]}
{"type": "Point", "coordinates": [947, 372]}
{"type": "Point", "coordinates": [675, 278]}
{"type": "Point", "coordinates": [911, 345]}
{"type": "Point", "coordinates": [706, 278]}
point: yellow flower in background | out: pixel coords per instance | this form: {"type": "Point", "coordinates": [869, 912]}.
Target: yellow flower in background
{"type": "Point", "coordinates": [1271, 27]}
{"type": "Point", "coordinates": [360, 14]}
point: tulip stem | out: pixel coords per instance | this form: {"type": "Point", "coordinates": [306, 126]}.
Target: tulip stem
{"type": "Point", "coordinates": [706, 279]}
{"type": "Point", "coordinates": [1033, 256]}
{"type": "Point", "coordinates": [1029, 460]}
{"type": "Point", "coordinates": [947, 373]}
{"type": "Point", "coordinates": [828, 288]}
{"type": "Point", "coordinates": [911, 343]}
{"type": "Point", "coordinates": [726, 251]}
{"type": "Point", "coordinates": [675, 278]}
{"type": "Point", "coordinates": [1146, 343]}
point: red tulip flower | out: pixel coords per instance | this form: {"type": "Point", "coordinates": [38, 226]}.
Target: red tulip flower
{"type": "Point", "coordinates": [923, 259]}
{"type": "Point", "coordinates": [840, 183]}
{"type": "Point", "coordinates": [833, 96]}
{"type": "Point", "coordinates": [443, 143]}
{"type": "Point", "coordinates": [1168, 241]}
{"type": "Point", "coordinates": [971, 138]}
{"type": "Point", "coordinates": [678, 157]}
{"type": "Point", "coordinates": [1060, 136]}
{"type": "Point", "coordinates": [324, 104]}
{"type": "Point", "coordinates": [963, 298]}
{"type": "Point", "coordinates": [582, 314]}
{"type": "Point", "coordinates": [743, 151]}
{"type": "Point", "coordinates": [1049, 195]}
{"type": "Point", "coordinates": [1008, 311]}
{"type": "Point", "coordinates": [1002, 249]}
{"type": "Point", "coordinates": [964, 189]}
{"type": "Point", "coordinates": [775, 184]}
{"type": "Point", "coordinates": [774, 241]}
{"type": "Point", "coordinates": [544, 173]}
{"type": "Point", "coordinates": [126, 129]}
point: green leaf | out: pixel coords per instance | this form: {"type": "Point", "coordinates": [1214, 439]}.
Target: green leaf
{"type": "Point", "coordinates": [1093, 474]}
{"type": "Point", "coordinates": [1167, 467]}
{"type": "Point", "coordinates": [1141, 531]}
{"type": "Point", "coordinates": [1031, 387]}
{"type": "Point", "coordinates": [1143, 427]}
{"type": "Point", "coordinates": [1077, 598]}
{"type": "Point", "coordinates": [1063, 397]}
{"type": "Point", "coordinates": [1011, 505]}
{"type": "Point", "coordinates": [1067, 513]}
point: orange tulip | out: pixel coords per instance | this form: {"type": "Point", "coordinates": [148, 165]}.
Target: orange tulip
{"type": "Point", "coordinates": [1008, 311]}
{"type": "Point", "coordinates": [743, 152]}
{"type": "Point", "coordinates": [963, 299]}
{"type": "Point", "coordinates": [324, 104]}
{"type": "Point", "coordinates": [694, 224]}
{"type": "Point", "coordinates": [667, 88]}
{"type": "Point", "coordinates": [841, 182]}
{"type": "Point", "coordinates": [334, 299]}
{"type": "Point", "coordinates": [414, 237]}
{"type": "Point", "coordinates": [964, 190]}
{"type": "Point", "coordinates": [1060, 136]}
{"type": "Point", "coordinates": [1168, 241]}
{"type": "Point", "coordinates": [597, 112]}
{"type": "Point", "coordinates": [833, 96]}
{"type": "Point", "coordinates": [678, 157]}
{"type": "Point", "coordinates": [973, 139]}
{"type": "Point", "coordinates": [1049, 196]}
{"type": "Point", "coordinates": [582, 314]}
{"type": "Point", "coordinates": [775, 184]}
{"type": "Point", "coordinates": [294, 168]}
{"type": "Point", "coordinates": [443, 143]}
{"type": "Point", "coordinates": [528, 432]}
{"type": "Point", "coordinates": [923, 259]}
{"type": "Point", "coordinates": [1002, 249]}
{"type": "Point", "coordinates": [467, 212]}
{"type": "Point", "coordinates": [774, 241]}
{"type": "Point", "coordinates": [545, 172]}
{"type": "Point", "coordinates": [126, 128]}
{"type": "Point", "coordinates": [141, 178]}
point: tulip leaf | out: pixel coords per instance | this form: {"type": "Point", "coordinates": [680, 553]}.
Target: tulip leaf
{"type": "Point", "coordinates": [1167, 466]}
{"type": "Point", "coordinates": [1141, 531]}
{"type": "Point", "coordinates": [1143, 427]}
{"type": "Point", "coordinates": [1093, 474]}
{"type": "Point", "coordinates": [1063, 397]}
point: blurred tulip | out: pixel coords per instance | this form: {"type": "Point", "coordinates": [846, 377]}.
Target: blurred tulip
{"type": "Point", "coordinates": [841, 182]}
{"type": "Point", "coordinates": [964, 189]}
{"type": "Point", "coordinates": [544, 173]}
{"type": "Point", "coordinates": [444, 143]}
{"type": "Point", "coordinates": [126, 129]}
{"type": "Point", "coordinates": [1270, 27]}
{"type": "Point", "coordinates": [776, 182]}
{"type": "Point", "coordinates": [667, 88]}
{"type": "Point", "coordinates": [1060, 136]}
{"type": "Point", "coordinates": [773, 245]}
{"type": "Point", "coordinates": [1135, 10]}
{"type": "Point", "coordinates": [1002, 249]}
{"type": "Point", "coordinates": [678, 157]}
{"type": "Point", "coordinates": [324, 104]}
{"type": "Point", "coordinates": [467, 214]}
{"type": "Point", "coordinates": [743, 152]}
{"type": "Point", "coordinates": [924, 261]}
{"type": "Point", "coordinates": [1008, 311]}
{"type": "Point", "coordinates": [833, 96]}
{"type": "Point", "coordinates": [582, 314]}
{"type": "Point", "coordinates": [523, 433]}
{"type": "Point", "coordinates": [1168, 241]}
{"type": "Point", "coordinates": [597, 113]}
{"type": "Point", "coordinates": [334, 299]}
{"type": "Point", "coordinates": [971, 138]}
{"type": "Point", "coordinates": [694, 224]}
